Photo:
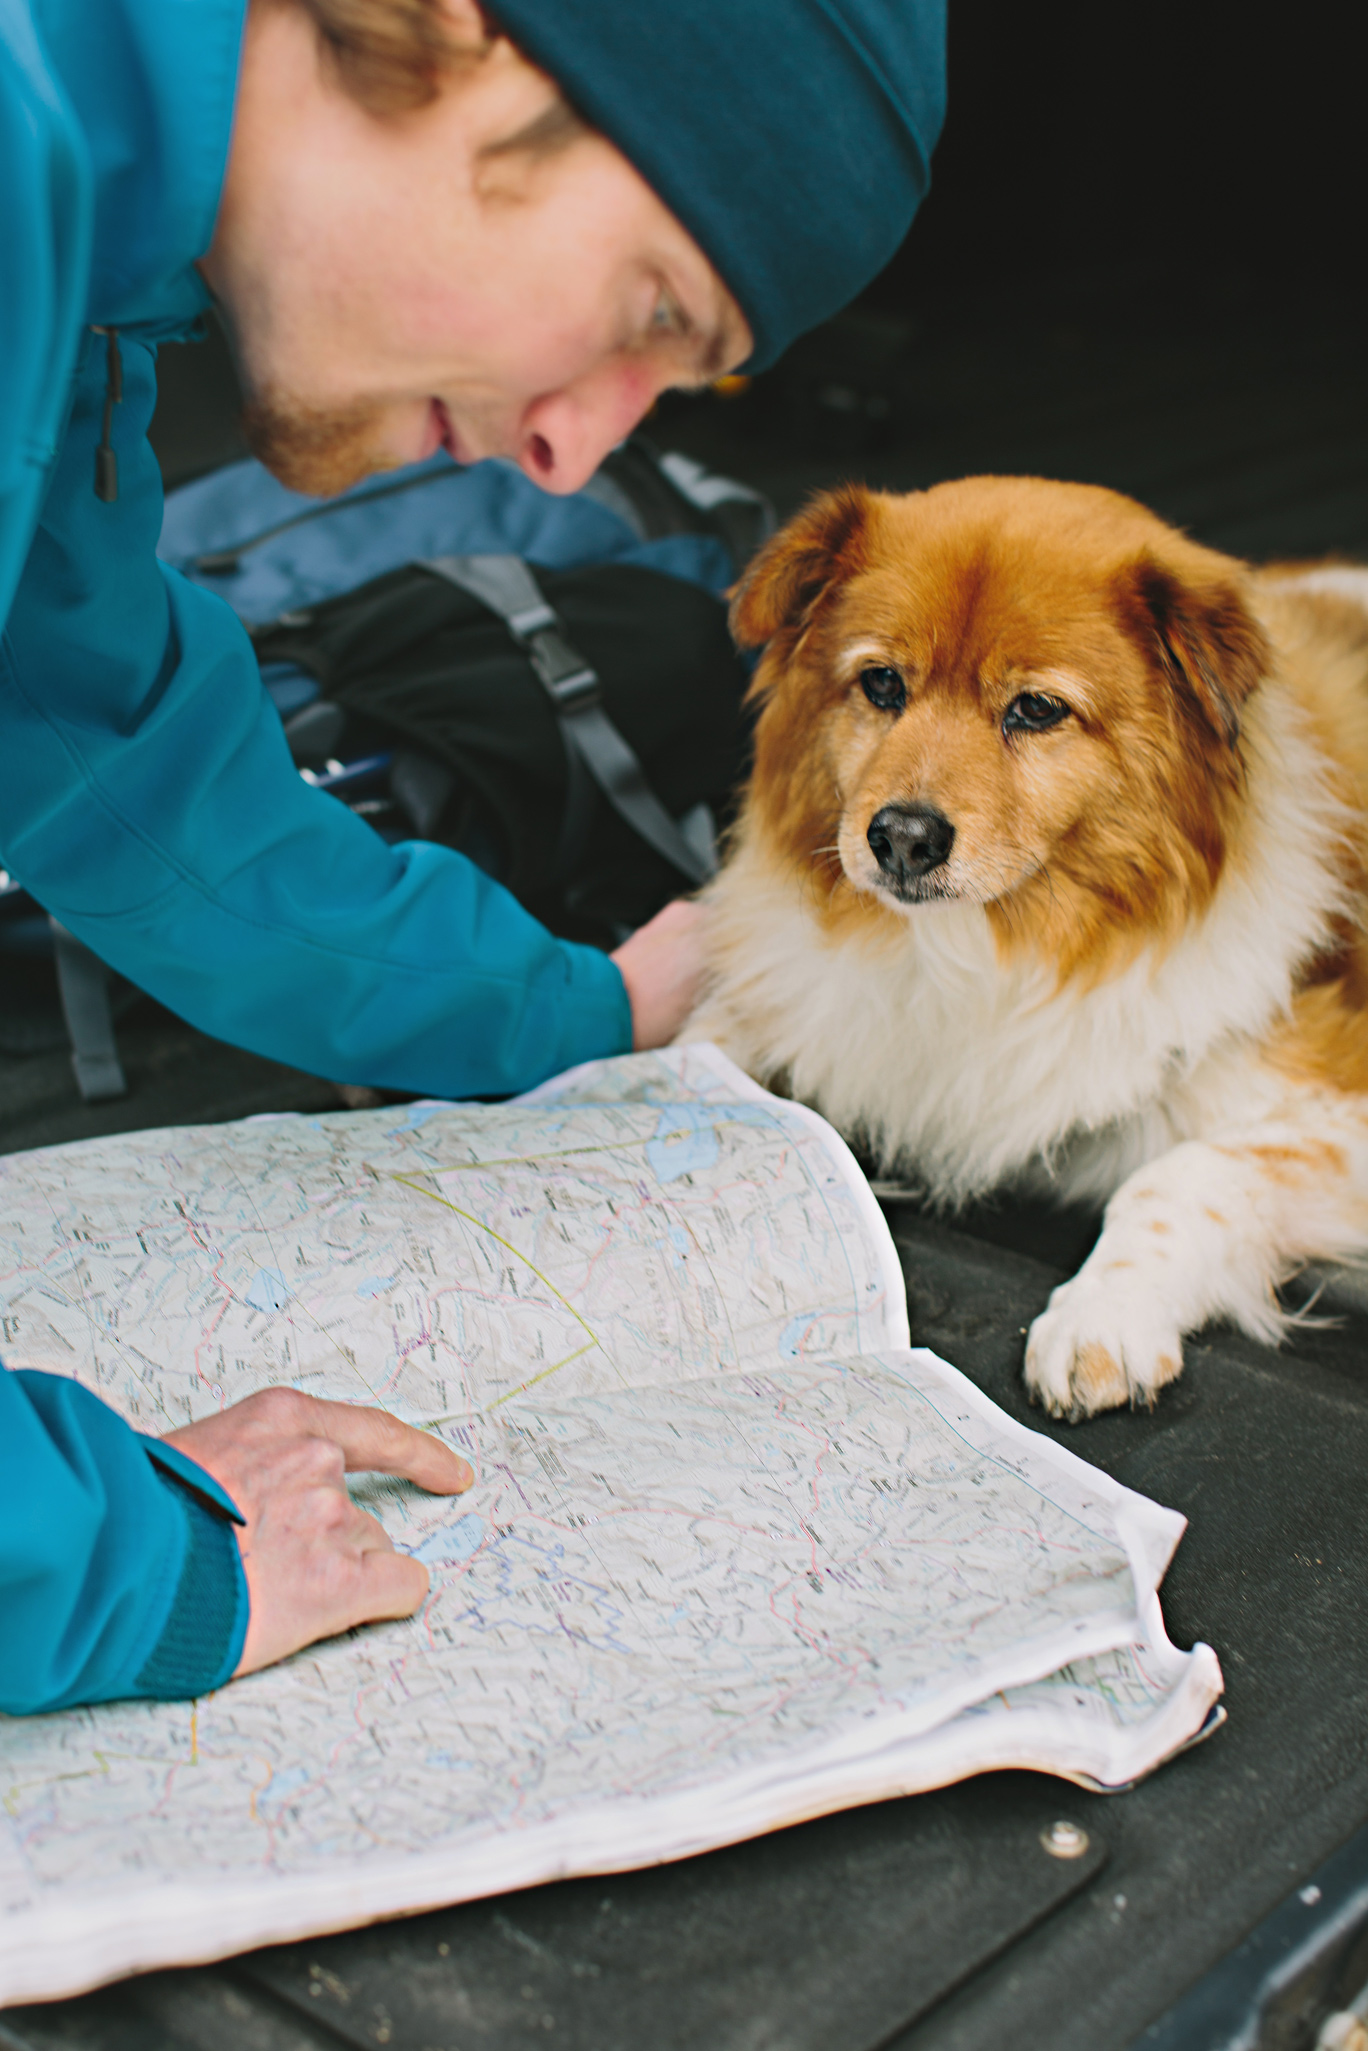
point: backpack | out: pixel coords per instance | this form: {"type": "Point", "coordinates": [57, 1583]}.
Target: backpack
{"type": "Point", "coordinates": [577, 733]}
{"type": "Point", "coordinates": [545, 684]}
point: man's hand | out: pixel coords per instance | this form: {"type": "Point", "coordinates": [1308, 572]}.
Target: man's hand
{"type": "Point", "coordinates": [662, 965]}
{"type": "Point", "coordinates": [315, 1563]}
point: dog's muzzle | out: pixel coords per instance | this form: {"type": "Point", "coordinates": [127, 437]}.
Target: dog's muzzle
{"type": "Point", "coordinates": [908, 842]}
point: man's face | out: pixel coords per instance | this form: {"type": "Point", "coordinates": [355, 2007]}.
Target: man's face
{"type": "Point", "coordinates": [395, 285]}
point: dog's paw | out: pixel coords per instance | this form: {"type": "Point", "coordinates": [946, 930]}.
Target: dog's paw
{"type": "Point", "coordinates": [1099, 1344]}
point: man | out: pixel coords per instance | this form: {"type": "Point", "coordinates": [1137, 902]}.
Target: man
{"type": "Point", "coordinates": [423, 228]}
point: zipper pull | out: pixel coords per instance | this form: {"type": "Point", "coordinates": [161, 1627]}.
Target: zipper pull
{"type": "Point", "coordinates": [106, 461]}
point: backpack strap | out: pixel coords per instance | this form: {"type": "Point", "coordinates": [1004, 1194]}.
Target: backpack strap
{"type": "Point", "coordinates": [507, 586]}
{"type": "Point", "coordinates": [83, 982]}
{"type": "Point", "coordinates": [657, 494]}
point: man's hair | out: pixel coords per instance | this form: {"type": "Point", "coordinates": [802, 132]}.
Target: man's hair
{"type": "Point", "coordinates": [393, 55]}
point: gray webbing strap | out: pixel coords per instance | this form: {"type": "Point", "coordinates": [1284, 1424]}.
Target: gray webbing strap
{"type": "Point", "coordinates": [507, 586]}
{"type": "Point", "coordinates": [83, 981]}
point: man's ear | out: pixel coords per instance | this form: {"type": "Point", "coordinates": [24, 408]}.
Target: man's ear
{"type": "Point", "coordinates": [784, 583]}
{"type": "Point", "coordinates": [1201, 633]}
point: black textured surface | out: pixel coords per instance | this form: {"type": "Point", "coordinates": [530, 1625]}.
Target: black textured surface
{"type": "Point", "coordinates": [1303, 1963]}
{"type": "Point", "coordinates": [175, 1075]}
{"type": "Point", "coordinates": [824, 1938]}
{"type": "Point", "coordinates": [1246, 421]}
{"type": "Point", "coordinates": [209, 2010]}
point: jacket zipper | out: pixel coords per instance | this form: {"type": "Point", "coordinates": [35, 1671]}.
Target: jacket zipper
{"type": "Point", "coordinates": [106, 462]}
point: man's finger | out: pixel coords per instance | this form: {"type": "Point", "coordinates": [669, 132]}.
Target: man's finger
{"type": "Point", "coordinates": [368, 1534]}
{"type": "Point", "coordinates": [372, 1439]}
{"type": "Point", "coordinates": [392, 1584]}
{"type": "Point", "coordinates": [388, 1585]}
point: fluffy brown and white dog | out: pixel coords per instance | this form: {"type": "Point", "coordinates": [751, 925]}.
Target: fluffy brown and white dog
{"type": "Point", "coordinates": [1053, 872]}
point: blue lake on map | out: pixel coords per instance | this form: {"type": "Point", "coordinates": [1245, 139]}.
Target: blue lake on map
{"type": "Point", "coordinates": [373, 1285]}
{"type": "Point", "coordinates": [270, 1290]}
{"type": "Point", "coordinates": [418, 1117]}
{"type": "Point", "coordinates": [453, 1543]}
{"type": "Point", "coordinates": [685, 1140]}
{"type": "Point", "coordinates": [793, 1337]}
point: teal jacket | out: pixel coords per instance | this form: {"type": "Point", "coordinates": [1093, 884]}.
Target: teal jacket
{"type": "Point", "coordinates": [119, 1569]}
{"type": "Point", "coordinates": [147, 797]}
{"type": "Point", "coordinates": [148, 800]}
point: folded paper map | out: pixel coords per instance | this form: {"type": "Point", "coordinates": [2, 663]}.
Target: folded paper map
{"type": "Point", "coordinates": [735, 1555]}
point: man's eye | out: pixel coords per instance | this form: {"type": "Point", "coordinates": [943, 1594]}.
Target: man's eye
{"type": "Point", "coordinates": [884, 688]}
{"type": "Point", "coordinates": [667, 317]}
{"type": "Point", "coordinates": [1032, 713]}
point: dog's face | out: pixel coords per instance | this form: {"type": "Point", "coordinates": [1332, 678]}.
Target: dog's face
{"type": "Point", "coordinates": [1015, 692]}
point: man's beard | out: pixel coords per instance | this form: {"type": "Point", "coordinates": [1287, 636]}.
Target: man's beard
{"type": "Point", "coordinates": [316, 450]}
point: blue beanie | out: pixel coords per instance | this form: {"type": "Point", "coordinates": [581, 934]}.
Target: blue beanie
{"type": "Point", "coordinates": [792, 138]}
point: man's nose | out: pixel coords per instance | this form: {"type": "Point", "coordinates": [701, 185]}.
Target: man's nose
{"type": "Point", "coordinates": [567, 434]}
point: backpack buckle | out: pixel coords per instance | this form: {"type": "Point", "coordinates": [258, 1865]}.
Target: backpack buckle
{"type": "Point", "coordinates": [566, 677]}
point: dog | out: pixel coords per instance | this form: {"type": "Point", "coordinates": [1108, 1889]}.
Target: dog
{"type": "Point", "coordinates": [1051, 873]}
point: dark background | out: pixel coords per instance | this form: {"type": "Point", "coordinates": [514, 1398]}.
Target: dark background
{"type": "Point", "coordinates": [1140, 265]}
{"type": "Point", "coordinates": [1162, 141]}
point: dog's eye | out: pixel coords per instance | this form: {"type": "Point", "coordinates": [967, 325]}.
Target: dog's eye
{"type": "Point", "coordinates": [884, 688]}
{"type": "Point", "coordinates": [1032, 712]}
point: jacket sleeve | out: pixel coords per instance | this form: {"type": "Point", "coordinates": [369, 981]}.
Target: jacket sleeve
{"type": "Point", "coordinates": [148, 800]}
{"type": "Point", "coordinates": [120, 1574]}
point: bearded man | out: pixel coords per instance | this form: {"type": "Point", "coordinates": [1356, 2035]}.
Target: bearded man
{"type": "Point", "coordinates": [423, 227]}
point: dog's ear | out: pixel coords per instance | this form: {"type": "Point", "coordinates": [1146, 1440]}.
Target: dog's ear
{"type": "Point", "coordinates": [1202, 634]}
{"type": "Point", "coordinates": [792, 571]}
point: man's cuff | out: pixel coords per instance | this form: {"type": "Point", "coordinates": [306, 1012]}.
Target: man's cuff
{"type": "Point", "coordinates": [201, 1641]}
{"type": "Point", "coordinates": [189, 1472]}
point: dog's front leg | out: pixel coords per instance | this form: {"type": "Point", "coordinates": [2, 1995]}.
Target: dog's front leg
{"type": "Point", "coordinates": [1207, 1230]}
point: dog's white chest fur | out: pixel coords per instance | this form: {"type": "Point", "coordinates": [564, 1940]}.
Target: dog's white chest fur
{"type": "Point", "coordinates": [971, 1072]}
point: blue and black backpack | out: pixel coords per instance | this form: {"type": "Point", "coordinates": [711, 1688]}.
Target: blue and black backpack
{"type": "Point", "coordinates": [546, 684]}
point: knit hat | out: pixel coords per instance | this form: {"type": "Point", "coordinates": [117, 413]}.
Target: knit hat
{"type": "Point", "coordinates": [792, 138]}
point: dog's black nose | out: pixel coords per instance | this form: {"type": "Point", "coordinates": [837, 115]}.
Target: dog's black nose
{"type": "Point", "coordinates": [910, 840]}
